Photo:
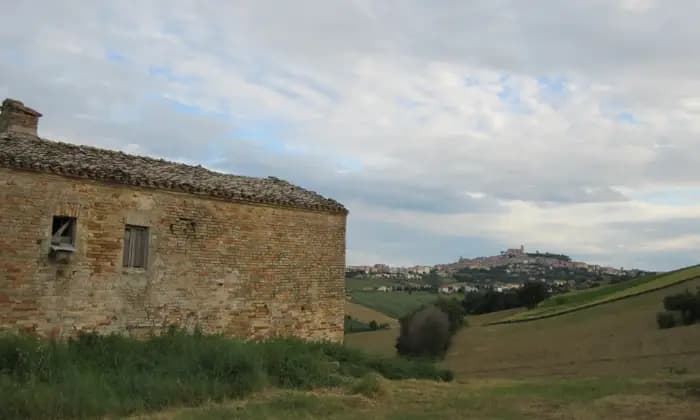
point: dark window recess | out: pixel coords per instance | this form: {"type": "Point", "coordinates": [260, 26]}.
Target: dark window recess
{"type": "Point", "coordinates": [135, 246]}
{"type": "Point", "coordinates": [63, 234]}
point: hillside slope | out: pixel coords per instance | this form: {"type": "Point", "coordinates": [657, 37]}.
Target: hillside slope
{"type": "Point", "coordinates": [579, 300]}
{"type": "Point", "coordinates": [615, 338]}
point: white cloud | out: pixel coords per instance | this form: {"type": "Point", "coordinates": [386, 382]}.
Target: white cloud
{"type": "Point", "coordinates": [496, 121]}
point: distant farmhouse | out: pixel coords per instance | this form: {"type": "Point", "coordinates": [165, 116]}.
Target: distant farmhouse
{"type": "Point", "coordinates": [98, 240]}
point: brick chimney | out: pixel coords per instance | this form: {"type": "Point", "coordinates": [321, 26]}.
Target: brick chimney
{"type": "Point", "coordinates": [17, 118]}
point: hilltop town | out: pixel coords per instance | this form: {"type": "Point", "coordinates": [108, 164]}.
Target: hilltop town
{"type": "Point", "coordinates": [510, 269]}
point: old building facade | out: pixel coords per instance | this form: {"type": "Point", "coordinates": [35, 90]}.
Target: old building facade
{"type": "Point", "coordinates": [96, 240]}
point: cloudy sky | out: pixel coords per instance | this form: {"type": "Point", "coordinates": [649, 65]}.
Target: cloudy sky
{"type": "Point", "coordinates": [448, 128]}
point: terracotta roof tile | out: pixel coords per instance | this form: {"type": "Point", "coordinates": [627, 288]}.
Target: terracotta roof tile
{"type": "Point", "coordinates": [41, 155]}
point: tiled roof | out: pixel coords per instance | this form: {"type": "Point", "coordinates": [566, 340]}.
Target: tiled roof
{"type": "Point", "coordinates": [33, 153]}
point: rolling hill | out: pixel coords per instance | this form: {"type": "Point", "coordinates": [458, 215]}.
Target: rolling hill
{"type": "Point", "coordinates": [574, 301]}
{"type": "Point", "coordinates": [614, 336]}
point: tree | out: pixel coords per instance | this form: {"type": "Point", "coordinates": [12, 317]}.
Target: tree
{"type": "Point", "coordinates": [425, 332]}
{"type": "Point", "coordinates": [532, 293]}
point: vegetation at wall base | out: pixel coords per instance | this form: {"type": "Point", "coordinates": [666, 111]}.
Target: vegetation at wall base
{"type": "Point", "coordinates": [95, 376]}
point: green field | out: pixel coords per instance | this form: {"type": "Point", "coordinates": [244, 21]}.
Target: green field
{"type": "Point", "coordinates": [393, 304]}
{"type": "Point", "coordinates": [578, 300]}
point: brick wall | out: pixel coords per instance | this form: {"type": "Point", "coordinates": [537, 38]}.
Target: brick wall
{"type": "Point", "coordinates": [245, 270]}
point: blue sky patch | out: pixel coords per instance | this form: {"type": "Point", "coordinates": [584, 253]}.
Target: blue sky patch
{"type": "Point", "coordinates": [115, 56]}
{"type": "Point", "coordinates": [168, 74]}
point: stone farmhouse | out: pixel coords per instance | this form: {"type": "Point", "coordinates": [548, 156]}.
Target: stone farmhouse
{"type": "Point", "coordinates": [98, 240]}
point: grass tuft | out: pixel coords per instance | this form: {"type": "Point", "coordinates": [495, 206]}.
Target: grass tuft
{"type": "Point", "coordinates": [370, 386]}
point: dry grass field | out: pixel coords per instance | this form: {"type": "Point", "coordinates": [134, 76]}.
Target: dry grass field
{"type": "Point", "coordinates": [616, 338]}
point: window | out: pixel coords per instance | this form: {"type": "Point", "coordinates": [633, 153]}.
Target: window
{"type": "Point", "coordinates": [63, 234]}
{"type": "Point", "coordinates": [135, 246]}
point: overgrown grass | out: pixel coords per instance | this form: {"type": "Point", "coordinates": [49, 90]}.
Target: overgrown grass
{"type": "Point", "coordinates": [95, 376]}
{"type": "Point", "coordinates": [393, 304]}
{"type": "Point", "coordinates": [583, 299]}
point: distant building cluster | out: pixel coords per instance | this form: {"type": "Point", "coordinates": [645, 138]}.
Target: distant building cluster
{"type": "Point", "coordinates": [386, 271]}
{"type": "Point", "coordinates": [517, 256]}
{"type": "Point", "coordinates": [517, 264]}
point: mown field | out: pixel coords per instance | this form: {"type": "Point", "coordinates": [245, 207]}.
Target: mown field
{"type": "Point", "coordinates": [583, 299]}
{"type": "Point", "coordinates": [393, 304]}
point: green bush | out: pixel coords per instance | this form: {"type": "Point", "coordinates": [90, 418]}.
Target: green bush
{"type": "Point", "coordinates": [373, 325]}
{"type": "Point", "coordinates": [96, 376]}
{"type": "Point", "coordinates": [688, 304]}
{"type": "Point", "coordinates": [666, 319]}
{"type": "Point", "coordinates": [680, 301]}
{"type": "Point", "coordinates": [425, 333]}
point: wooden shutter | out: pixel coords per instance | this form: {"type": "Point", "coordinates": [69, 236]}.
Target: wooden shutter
{"type": "Point", "coordinates": [135, 246]}
{"type": "Point", "coordinates": [127, 246]}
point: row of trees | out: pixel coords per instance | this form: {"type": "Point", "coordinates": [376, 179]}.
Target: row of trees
{"type": "Point", "coordinates": [529, 296]}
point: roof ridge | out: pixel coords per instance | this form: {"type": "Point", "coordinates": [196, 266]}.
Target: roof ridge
{"type": "Point", "coordinates": [31, 152]}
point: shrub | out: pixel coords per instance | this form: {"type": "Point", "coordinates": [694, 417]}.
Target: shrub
{"type": "Point", "coordinates": [373, 325]}
{"type": "Point", "coordinates": [688, 304]}
{"type": "Point", "coordinates": [679, 301]}
{"type": "Point", "coordinates": [424, 333]}
{"type": "Point", "coordinates": [666, 319]}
